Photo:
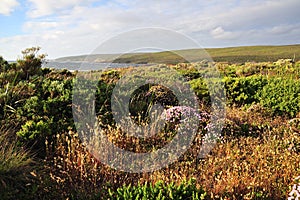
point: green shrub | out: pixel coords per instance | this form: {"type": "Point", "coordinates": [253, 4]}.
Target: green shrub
{"type": "Point", "coordinates": [31, 62]}
{"type": "Point", "coordinates": [103, 101]}
{"type": "Point", "coordinates": [47, 109]}
{"type": "Point", "coordinates": [243, 90]}
{"type": "Point", "coordinates": [145, 97]}
{"type": "Point", "coordinates": [200, 88]}
{"type": "Point", "coordinates": [281, 95]}
{"type": "Point", "coordinates": [33, 130]}
{"type": "Point", "coordinates": [186, 190]}
{"type": "Point", "coordinates": [4, 65]}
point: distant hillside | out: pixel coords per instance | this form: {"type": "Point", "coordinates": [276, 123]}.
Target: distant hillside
{"type": "Point", "coordinates": [228, 54]}
{"type": "Point", "coordinates": [90, 58]}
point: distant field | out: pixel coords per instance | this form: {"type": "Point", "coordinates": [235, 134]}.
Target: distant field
{"type": "Point", "coordinates": [228, 54]}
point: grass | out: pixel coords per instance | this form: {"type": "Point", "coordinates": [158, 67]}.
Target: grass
{"type": "Point", "coordinates": [260, 165]}
{"type": "Point", "coordinates": [229, 54]}
{"type": "Point", "coordinates": [15, 166]}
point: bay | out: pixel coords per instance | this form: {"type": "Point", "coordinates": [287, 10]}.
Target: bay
{"type": "Point", "coordinates": [86, 66]}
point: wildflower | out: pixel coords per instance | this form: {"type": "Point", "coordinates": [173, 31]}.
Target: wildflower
{"type": "Point", "coordinates": [180, 113]}
{"type": "Point", "coordinates": [295, 193]}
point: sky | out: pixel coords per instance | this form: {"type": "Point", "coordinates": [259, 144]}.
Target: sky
{"type": "Point", "coordinates": [75, 27]}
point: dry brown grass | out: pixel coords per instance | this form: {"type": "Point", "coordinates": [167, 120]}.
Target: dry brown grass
{"type": "Point", "coordinates": [254, 166]}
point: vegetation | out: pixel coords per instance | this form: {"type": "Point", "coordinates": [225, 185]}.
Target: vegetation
{"type": "Point", "coordinates": [257, 157]}
{"type": "Point", "coordinates": [186, 190]}
{"type": "Point", "coordinates": [229, 54]}
{"type": "Point", "coordinates": [15, 166]}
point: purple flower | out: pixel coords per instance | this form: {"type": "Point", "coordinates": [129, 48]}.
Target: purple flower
{"type": "Point", "coordinates": [179, 114]}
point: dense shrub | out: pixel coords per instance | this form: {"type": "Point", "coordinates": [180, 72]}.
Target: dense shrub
{"type": "Point", "coordinates": [37, 102]}
{"type": "Point", "coordinates": [44, 109]}
{"type": "Point", "coordinates": [31, 62]}
{"type": "Point", "coordinates": [4, 65]}
{"type": "Point", "coordinates": [282, 96]}
{"type": "Point", "coordinates": [160, 190]}
{"type": "Point", "coordinates": [145, 97]}
{"type": "Point", "coordinates": [243, 90]}
{"type": "Point", "coordinates": [200, 88]}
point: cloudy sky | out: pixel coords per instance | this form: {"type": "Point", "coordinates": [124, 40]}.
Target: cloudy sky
{"type": "Point", "coordinates": [74, 27]}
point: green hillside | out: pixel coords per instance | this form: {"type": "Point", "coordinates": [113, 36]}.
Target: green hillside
{"type": "Point", "coordinates": [229, 54]}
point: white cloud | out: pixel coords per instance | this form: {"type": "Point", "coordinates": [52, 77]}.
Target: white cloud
{"type": "Point", "coordinates": [15, 44]}
{"type": "Point", "coordinates": [70, 27]}
{"type": "Point", "coordinates": [32, 26]}
{"type": "Point", "coordinates": [220, 33]}
{"type": "Point", "coordinates": [8, 6]}
{"type": "Point", "coordinates": [47, 7]}
{"type": "Point", "coordinates": [259, 15]}
{"type": "Point", "coordinates": [284, 29]}
{"type": "Point", "coordinates": [217, 31]}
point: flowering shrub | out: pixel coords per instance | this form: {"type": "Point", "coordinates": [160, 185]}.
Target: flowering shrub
{"type": "Point", "coordinates": [178, 115]}
{"type": "Point", "coordinates": [181, 113]}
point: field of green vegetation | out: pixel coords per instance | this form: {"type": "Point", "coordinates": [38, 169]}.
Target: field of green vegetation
{"type": "Point", "coordinates": [257, 157]}
{"type": "Point", "coordinates": [229, 54]}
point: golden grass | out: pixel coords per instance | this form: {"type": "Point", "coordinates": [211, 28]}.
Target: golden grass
{"type": "Point", "coordinates": [258, 166]}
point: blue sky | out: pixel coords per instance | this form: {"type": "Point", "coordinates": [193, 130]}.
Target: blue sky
{"type": "Point", "coordinates": [74, 27]}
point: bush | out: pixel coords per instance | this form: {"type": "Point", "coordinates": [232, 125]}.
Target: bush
{"type": "Point", "coordinates": [42, 107]}
{"type": "Point", "coordinates": [186, 190]}
{"type": "Point", "coordinates": [4, 65]}
{"type": "Point", "coordinates": [243, 90]}
{"type": "Point", "coordinates": [33, 130]}
{"type": "Point", "coordinates": [200, 88]}
{"type": "Point", "coordinates": [281, 95]}
{"type": "Point", "coordinates": [31, 62]}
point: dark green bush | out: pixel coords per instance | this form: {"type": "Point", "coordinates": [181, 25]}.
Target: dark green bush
{"type": "Point", "coordinates": [31, 62]}
{"type": "Point", "coordinates": [103, 102]}
{"type": "Point", "coordinates": [37, 102]}
{"type": "Point", "coordinates": [146, 96]}
{"type": "Point", "coordinates": [47, 110]}
{"type": "Point", "coordinates": [4, 65]}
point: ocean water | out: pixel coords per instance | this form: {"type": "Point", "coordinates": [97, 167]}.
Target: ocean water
{"type": "Point", "coordinates": [86, 66]}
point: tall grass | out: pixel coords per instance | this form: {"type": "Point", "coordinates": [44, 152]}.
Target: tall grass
{"type": "Point", "coordinates": [15, 166]}
{"type": "Point", "coordinates": [258, 158]}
